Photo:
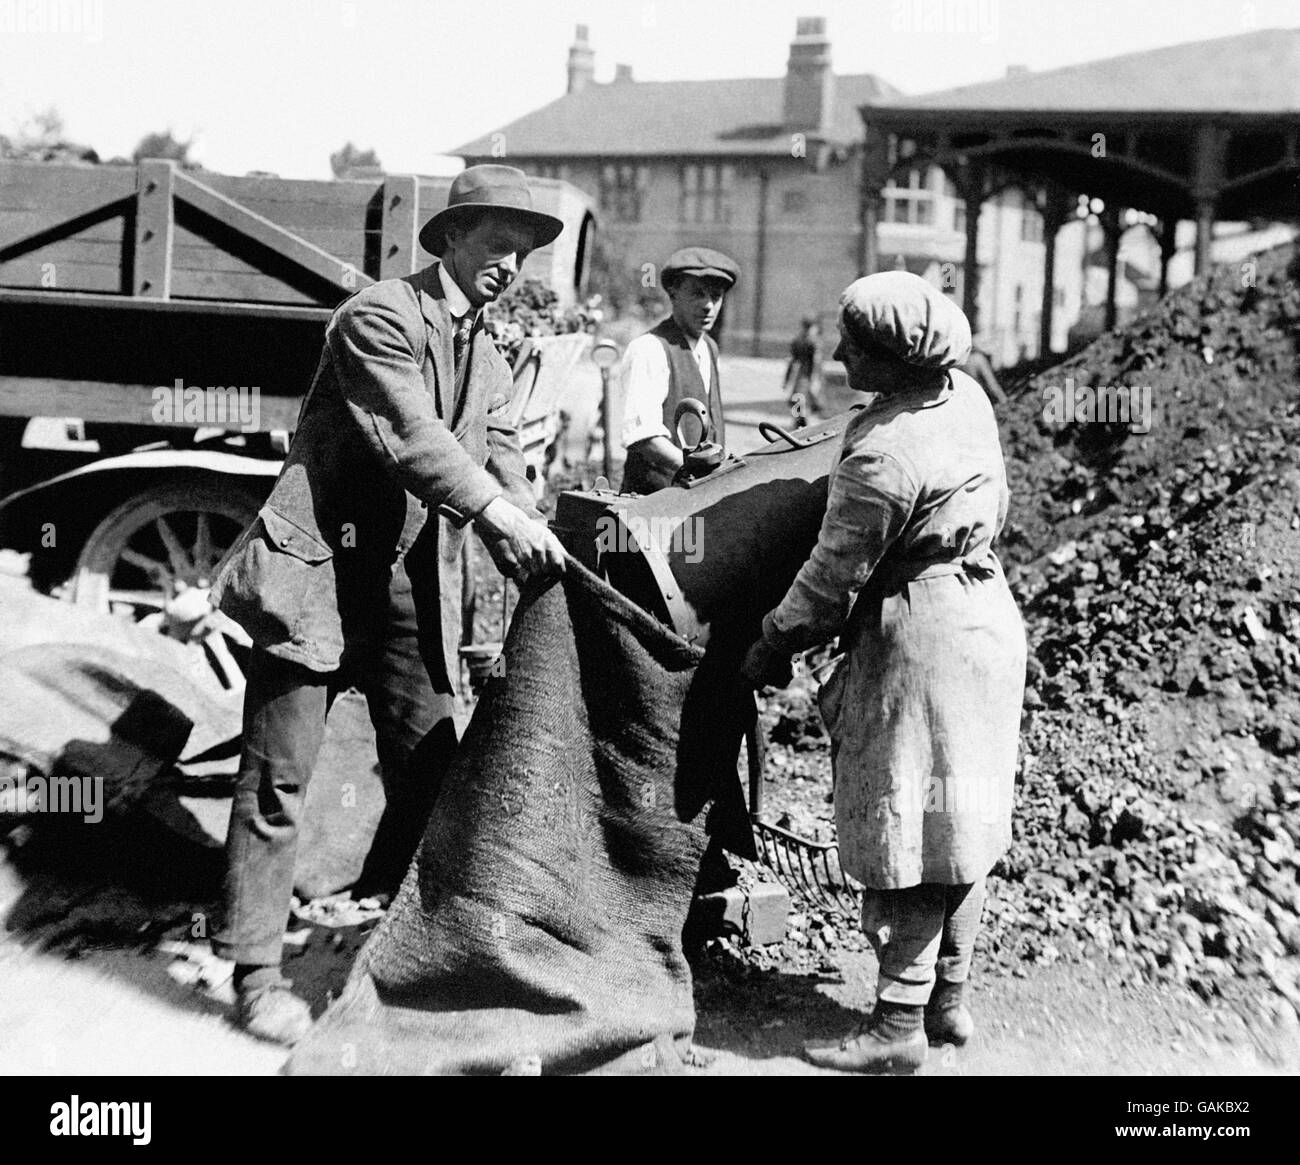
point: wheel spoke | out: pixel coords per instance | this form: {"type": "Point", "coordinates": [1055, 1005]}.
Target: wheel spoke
{"type": "Point", "coordinates": [204, 557]}
{"type": "Point", "coordinates": [230, 629]}
{"type": "Point", "coordinates": [181, 565]}
{"type": "Point", "coordinates": [224, 663]}
{"type": "Point", "coordinates": [151, 566]}
{"type": "Point", "coordinates": [152, 599]}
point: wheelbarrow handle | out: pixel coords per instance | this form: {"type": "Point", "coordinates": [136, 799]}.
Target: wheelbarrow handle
{"type": "Point", "coordinates": [755, 748]}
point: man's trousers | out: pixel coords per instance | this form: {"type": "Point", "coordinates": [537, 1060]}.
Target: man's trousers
{"type": "Point", "coordinates": [285, 706]}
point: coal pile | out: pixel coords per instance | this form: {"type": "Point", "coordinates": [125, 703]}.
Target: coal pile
{"type": "Point", "coordinates": [1159, 573]}
{"type": "Point", "coordinates": [1158, 806]}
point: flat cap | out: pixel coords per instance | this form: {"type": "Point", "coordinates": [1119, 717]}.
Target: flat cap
{"type": "Point", "coordinates": [905, 315]}
{"type": "Point", "coordinates": [702, 261]}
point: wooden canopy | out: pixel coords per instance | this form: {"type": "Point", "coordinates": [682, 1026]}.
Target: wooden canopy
{"type": "Point", "coordinates": [1207, 131]}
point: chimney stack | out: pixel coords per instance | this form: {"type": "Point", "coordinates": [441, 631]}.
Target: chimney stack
{"type": "Point", "coordinates": [809, 82]}
{"type": "Point", "coordinates": [622, 74]}
{"type": "Point", "coordinates": [582, 61]}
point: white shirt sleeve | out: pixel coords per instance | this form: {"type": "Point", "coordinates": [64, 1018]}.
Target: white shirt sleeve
{"type": "Point", "coordinates": [644, 379]}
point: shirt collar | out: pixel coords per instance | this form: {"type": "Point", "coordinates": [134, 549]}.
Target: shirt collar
{"type": "Point", "coordinates": [457, 303]}
{"type": "Point", "coordinates": [911, 399]}
{"type": "Point", "coordinates": [696, 344]}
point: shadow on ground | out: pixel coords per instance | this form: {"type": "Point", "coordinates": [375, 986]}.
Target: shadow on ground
{"type": "Point", "coordinates": [765, 1014]}
{"type": "Point", "coordinates": [137, 900]}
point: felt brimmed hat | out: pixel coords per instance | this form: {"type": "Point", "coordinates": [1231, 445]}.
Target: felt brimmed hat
{"type": "Point", "coordinates": [489, 187]}
{"type": "Point", "coordinates": [702, 261]}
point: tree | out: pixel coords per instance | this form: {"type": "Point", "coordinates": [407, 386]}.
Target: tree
{"type": "Point", "coordinates": [165, 145]}
{"type": "Point", "coordinates": [41, 139]}
{"type": "Point", "coordinates": [347, 161]}
{"type": "Point", "coordinates": [626, 282]}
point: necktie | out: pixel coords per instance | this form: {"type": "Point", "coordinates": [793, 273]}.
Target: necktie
{"type": "Point", "coordinates": [460, 339]}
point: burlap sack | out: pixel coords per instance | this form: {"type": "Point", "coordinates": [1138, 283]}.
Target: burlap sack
{"type": "Point", "coordinates": [543, 914]}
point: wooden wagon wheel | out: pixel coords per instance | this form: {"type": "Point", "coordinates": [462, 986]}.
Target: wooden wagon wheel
{"type": "Point", "coordinates": [154, 557]}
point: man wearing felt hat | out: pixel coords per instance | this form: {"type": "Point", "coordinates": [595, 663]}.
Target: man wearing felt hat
{"type": "Point", "coordinates": [674, 360]}
{"type": "Point", "coordinates": [351, 573]}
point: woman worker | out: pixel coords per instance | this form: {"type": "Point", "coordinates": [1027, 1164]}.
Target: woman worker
{"type": "Point", "coordinates": [923, 711]}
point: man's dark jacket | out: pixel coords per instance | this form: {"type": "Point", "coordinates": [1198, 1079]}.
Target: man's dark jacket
{"type": "Point", "coordinates": [384, 454]}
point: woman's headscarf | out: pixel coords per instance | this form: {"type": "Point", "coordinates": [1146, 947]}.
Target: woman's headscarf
{"type": "Point", "coordinates": [905, 315]}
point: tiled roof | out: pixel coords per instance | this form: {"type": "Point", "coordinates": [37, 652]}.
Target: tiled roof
{"type": "Point", "coordinates": [632, 118]}
{"type": "Point", "coordinates": [1254, 72]}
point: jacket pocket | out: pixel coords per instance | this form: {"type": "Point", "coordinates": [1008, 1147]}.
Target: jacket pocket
{"type": "Point", "coordinates": [286, 535]}
{"type": "Point", "coordinates": [282, 588]}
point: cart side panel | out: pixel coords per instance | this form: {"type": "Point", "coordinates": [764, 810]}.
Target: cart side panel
{"type": "Point", "coordinates": [64, 227]}
{"type": "Point", "coordinates": [107, 362]}
{"type": "Point", "coordinates": [74, 228]}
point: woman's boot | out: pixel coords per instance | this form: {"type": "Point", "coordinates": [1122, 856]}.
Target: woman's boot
{"type": "Point", "coordinates": [890, 1042]}
{"type": "Point", "coordinates": [947, 1019]}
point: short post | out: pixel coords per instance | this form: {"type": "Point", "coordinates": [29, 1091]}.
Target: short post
{"type": "Point", "coordinates": [155, 228]}
{"type": "Point", "coordinates": [605, 354]}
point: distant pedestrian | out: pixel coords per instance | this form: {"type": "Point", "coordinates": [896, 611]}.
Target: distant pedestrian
{"type": "Point", "coordinates": [979, 367]}
{"type": "Point", "coordinates": [803, 374]}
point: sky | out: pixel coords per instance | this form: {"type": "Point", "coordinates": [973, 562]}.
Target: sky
{"type": "Point", "coordinates": [278, 85]}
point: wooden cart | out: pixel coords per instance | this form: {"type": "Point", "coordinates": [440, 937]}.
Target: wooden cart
{"type": "Point", "coordinates": [117, 281]}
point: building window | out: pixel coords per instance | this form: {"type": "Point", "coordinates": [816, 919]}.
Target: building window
{"type": "Point", "coordinates": [621, 188]}
{"type": "Point", "coordinates": [794, 202]}
{"type": "Point", "coordinates": [556, 170]}
{"type": "Point", "coordinates": [954, 202]}
{"type": "Point", "coordinates": [706, 193]}
{"type": "Point", "coordinates": [1031, 224]}
{"type": "Point", "coordinates": [912, 204]}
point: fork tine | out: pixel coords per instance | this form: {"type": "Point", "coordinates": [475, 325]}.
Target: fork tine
{"type": "Point", "coordinates": [811, 867]}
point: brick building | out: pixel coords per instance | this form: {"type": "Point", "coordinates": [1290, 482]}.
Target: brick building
{"type": "Point", "coordinates": [773, 170]}
{"type": "Point", "coordinates": [767, 169]}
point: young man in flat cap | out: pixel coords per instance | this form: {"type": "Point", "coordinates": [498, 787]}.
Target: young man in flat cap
{"type": "Point", "coordinates": [674, 360]}
{"type": "Point", "coordinates": [350, 575]}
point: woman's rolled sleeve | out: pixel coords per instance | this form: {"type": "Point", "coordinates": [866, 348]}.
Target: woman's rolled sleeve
{"type": "Point", "coordinates": [871, 498]}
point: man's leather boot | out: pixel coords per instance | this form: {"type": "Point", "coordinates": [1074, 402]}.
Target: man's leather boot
{"type": "Point", "coordinates": [266, 1007]}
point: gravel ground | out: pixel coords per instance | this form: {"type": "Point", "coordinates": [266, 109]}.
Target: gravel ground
{"type": "Point", "coordinates": [104, 976]}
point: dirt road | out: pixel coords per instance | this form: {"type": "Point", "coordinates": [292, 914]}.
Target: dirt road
{"type": "Point", "coordinates": [103, 974]}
